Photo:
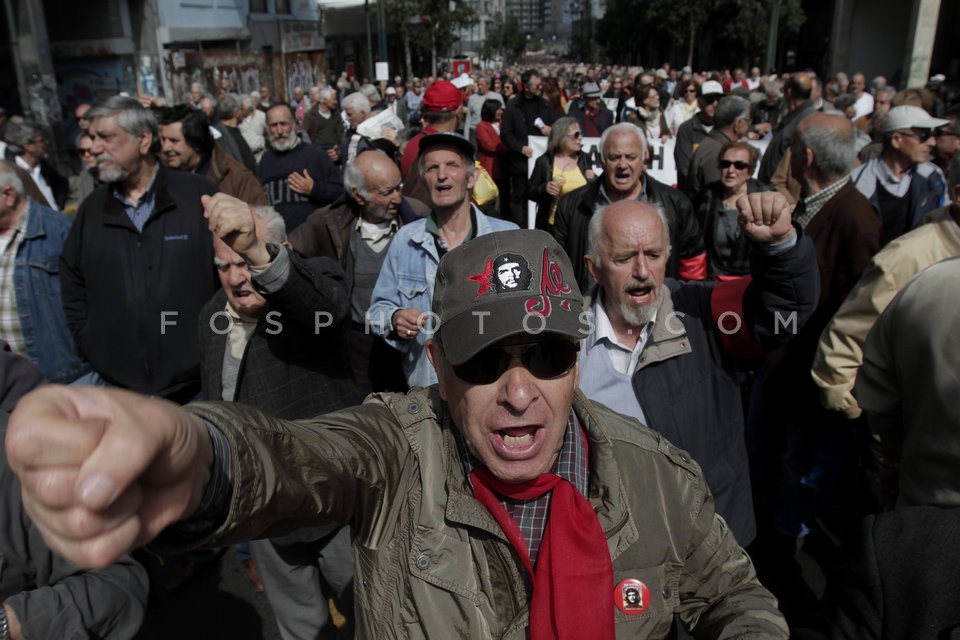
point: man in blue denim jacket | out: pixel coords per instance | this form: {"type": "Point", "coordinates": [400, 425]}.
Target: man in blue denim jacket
{"type": "Point", "coordinates": [31, 316]}
{"type": "Point", "coordinates": [400, 308]}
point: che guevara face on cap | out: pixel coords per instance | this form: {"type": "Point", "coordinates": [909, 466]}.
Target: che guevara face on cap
{"type": "Point", "coordinates": [502, 284]}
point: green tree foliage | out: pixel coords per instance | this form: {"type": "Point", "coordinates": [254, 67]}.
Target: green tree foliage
{"type": "Point", "coordinates": [429, 26]}
{"type": "Point", "coordinates": [704, 30]}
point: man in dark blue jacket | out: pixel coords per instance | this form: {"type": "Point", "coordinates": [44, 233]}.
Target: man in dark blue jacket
{"type": "Point", "coordinates": [667, 352]}
{"type": "Point", "coordinates": [137, 265]}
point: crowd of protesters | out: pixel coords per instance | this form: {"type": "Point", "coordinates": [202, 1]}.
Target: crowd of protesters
{"type": "Point", "coordinates": [348, 195]}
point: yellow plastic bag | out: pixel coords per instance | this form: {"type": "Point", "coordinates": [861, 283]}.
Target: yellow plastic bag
{"type": "Point", "coordinates": [485, 190]}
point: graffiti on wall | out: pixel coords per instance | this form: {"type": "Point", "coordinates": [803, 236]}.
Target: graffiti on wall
{"type": "Point", "coordinates": [242, 73]}
{"type": "Point", "coordinates": [304, 70]}
{"type": "Point", "coordinates": [210, 68]}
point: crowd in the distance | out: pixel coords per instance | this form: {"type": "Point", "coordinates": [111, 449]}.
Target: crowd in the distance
{"type": "Point", "coordinates": [284, 253]}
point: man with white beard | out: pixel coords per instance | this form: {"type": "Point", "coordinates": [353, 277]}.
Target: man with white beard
{"type": "Point", "coordinates": [667, 352]}
{"type": "Point", "coordinates": [298, 177]}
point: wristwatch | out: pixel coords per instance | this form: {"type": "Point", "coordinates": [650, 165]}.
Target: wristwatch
{"type": "Point", "coordinates": [4, 625]}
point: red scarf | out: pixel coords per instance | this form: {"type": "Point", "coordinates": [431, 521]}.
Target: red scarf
{"type": "Point", "coordinates": [574, 575]}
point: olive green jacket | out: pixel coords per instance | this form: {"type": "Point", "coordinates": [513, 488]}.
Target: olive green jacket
{"type": "Point", "coordinates": [431, 562]}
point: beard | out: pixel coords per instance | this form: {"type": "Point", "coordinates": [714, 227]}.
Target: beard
{"type": "Point", "coordinates": [286, 144]}
{"type": "Point", "coordinates": [639, 316]}
{"type": "Point", "coordinates": [108, 170]}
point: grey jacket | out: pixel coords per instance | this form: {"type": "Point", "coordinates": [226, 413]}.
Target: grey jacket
{"type": "Point", "coordinates": [431, 562]}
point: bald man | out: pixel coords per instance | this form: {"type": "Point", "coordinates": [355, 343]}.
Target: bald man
{"type": "Point", "coordinates": [657, 352]}
{"type": "Point", "coordinates": [356, 231]}
{"type": "Point", "coordinates": [796, 93]}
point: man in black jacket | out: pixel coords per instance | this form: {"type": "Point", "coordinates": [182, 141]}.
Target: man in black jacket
{"type": "Point", "coordinates": [667, 353]}
{"type": "Point", "coordinates": [528, 114]}
{"type": "Point", "coordinates": [137, 265]}
{"type": "Point", "coordinates": [275, 337]}
{"type": "Point", "coordinates": [623, 151]}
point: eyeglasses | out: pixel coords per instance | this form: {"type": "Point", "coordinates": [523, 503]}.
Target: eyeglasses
{"type": "Point", "coordinates": [739, 165]}
{"type": "Point", "coordinates": [576, 135]}
{"type": "Point", "coordinates": [545, 359]}
{"type": "Point", "coordinates": [710, 98]}
{"type": "Point", "coordinates": [919, 134]}
{"type": "Point", "coordinates": [944, 131]}
{"type": "Point", "coordinates": [691, 90]}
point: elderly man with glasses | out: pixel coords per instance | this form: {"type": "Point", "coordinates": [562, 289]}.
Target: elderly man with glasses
{"type": "Point", "coordinates": [902, 183]}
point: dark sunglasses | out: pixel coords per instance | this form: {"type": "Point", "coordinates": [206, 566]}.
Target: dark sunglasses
{"type": "Point", "coordinates": [546, 359]}
{"type": "Point", "coordinates": [710, 98]}
{"type": "Point", "coordinates": [920, 134]}
{"type": "Point", "coordinates": [739, 165]}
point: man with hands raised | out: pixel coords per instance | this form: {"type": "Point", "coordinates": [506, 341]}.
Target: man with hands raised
{"type": "Point", "coordinates": [668, 352]}
{"type": "Point", "coordinates": [442, 486]}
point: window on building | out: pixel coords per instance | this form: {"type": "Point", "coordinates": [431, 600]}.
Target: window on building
{"type": "Point", "coordinates": [258, 6]}
{"type": "Point", "coordinates": [283, 6]}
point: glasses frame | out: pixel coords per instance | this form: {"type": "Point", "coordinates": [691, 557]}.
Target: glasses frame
{"type": "Point", "coordinates": [739, 165]}
{"type": "Point", "coordinates": [478, 370]}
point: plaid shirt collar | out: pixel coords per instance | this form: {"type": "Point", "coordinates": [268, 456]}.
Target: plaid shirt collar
{"type": "Point", "coordinates": [813, 204]}
{"type": "Point", "coordinates": [531, 515]}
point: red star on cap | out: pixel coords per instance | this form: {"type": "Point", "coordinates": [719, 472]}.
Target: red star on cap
{"type": "Point", "coordinates": [483, 279]}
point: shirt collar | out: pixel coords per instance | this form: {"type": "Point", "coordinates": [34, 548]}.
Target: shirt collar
{"type": "Point", "coordinates": [603, 199]}
{"type": "Point", "coordinates": [605, 331]}
{"type": "Point", "coordinates": [147, 196]}
{"type": "Point", "coordinates": [812, 204]}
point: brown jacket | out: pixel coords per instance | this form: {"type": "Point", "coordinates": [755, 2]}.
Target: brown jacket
{"type": "Point", "coordinates": [846, 234]}
{"type": "Point", "coordinates": [234, 179]}
{"type": "Point", "coordinates": [327, 231]}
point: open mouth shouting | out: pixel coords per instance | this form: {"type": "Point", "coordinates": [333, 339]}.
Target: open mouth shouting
{"type": "Point", "coordinates": [517, 443]}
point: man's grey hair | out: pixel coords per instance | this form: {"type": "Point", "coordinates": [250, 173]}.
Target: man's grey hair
{"type": "Point", "coordinates": [953, 172]}
{"type": "Point", "coordinates": [314, 92]}
{"type": "Point", "coordinates": [273, 225]}
{"type": "Point", "coordinates": [729, 109]}
{"type": "Point", "coordinates": [353, 178]}
{"type": "Point", "coordinates": [622, 127]}
{"type": "Point", "coordinates": [131, 116]}
{"type": "Point", "coordinates": [596, 226]}
{"type": "Point", "coordinates": [326, 93]}
{"type": "Point", "coordinates": [230, 104]}
{"type": "Point", "coordinates": [9, 178]}
{"type": "Point", "coordinates": [356, 101]}
{"type": "Point", "coordinates": [246, 101]}
{"type": "Point", "coordinates": [834, 151]}
{"type": "Point", "coordinates": [19, 133]}
{"type": "Point", "coordinates": [371, 92]}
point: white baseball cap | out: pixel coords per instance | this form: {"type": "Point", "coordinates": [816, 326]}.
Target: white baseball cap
{"type": "Point", "coordinates": [910, 117]}
{"type": "Point", "coordinates": [711, 87]}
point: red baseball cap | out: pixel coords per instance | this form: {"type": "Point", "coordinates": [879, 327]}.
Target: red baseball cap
{"type": "Point", "coordinates": [442, 97]}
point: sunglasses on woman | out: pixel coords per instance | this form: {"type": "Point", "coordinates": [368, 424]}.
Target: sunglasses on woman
{"type": "Point", "coordinates": [739, 165]}
{"type": "Point", "coordinates": [546, 359]}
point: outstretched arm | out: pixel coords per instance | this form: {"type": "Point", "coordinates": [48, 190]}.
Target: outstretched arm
{"type": "Point", "coordinates": [105, 470]}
